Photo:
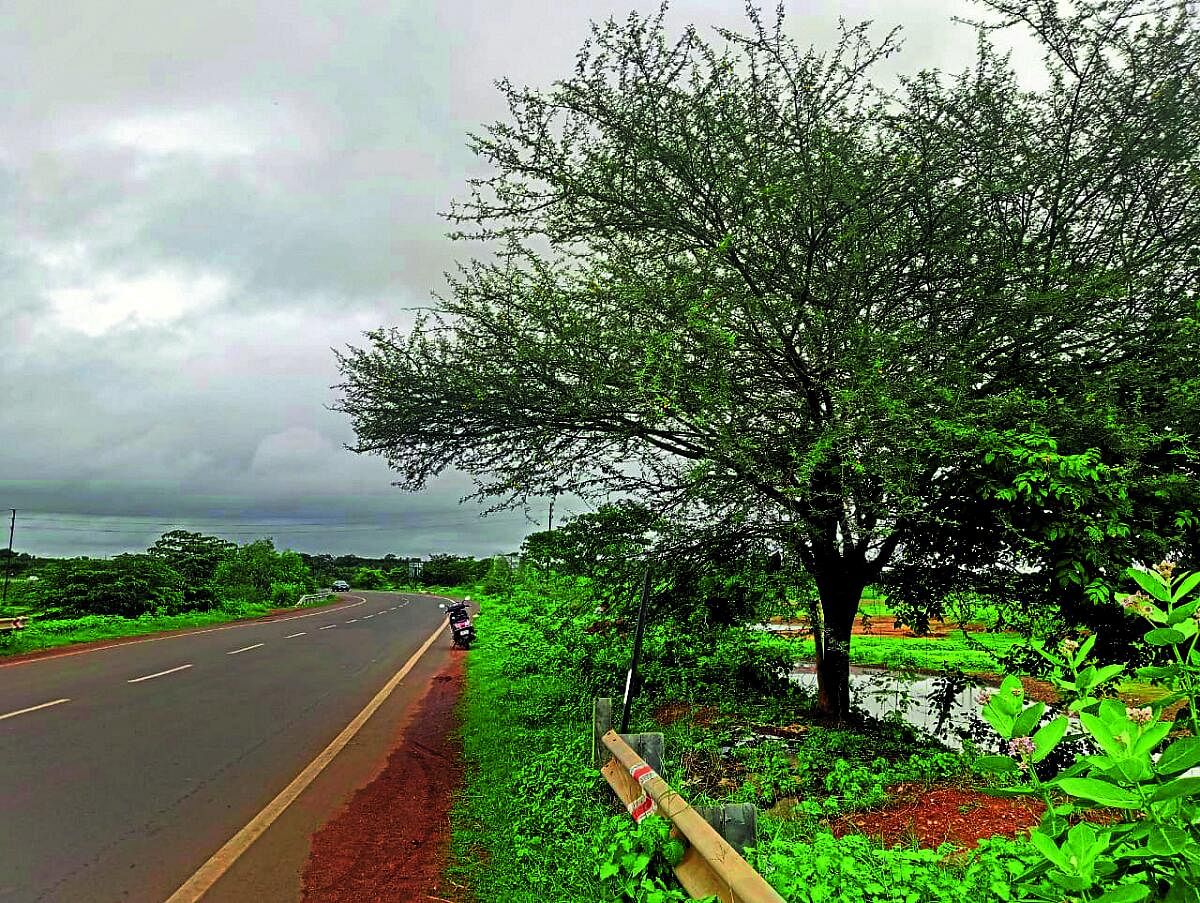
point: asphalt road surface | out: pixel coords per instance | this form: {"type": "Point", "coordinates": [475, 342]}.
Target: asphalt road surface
{"type": "Point", "coordinates": [123, 769]}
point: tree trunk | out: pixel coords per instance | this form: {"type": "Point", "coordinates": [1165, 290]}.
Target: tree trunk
{"type": "Point", "coordinates": [839, 606]}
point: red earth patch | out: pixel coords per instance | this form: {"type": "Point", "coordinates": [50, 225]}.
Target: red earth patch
{"type": "Point", "coordinates": [943, 815]}
{"type": "Point", "coordinates": [392, 839]}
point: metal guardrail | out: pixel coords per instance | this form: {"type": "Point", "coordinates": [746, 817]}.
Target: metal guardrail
{"type": "Point", "coordinates": [319, 595]}
{"type": "Point", "coordinates": [12, 623]}
{"type": "Point", "coordinates": [711, 866]}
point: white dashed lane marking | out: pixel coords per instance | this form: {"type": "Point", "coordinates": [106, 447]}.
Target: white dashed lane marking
{"type": "Point", "coordinates": [245, 649]}
{"type": "Point", "coordinates": [137, 680]}
{"type": "Point", "coordinates": [33, 708]}
{"type": "Point", "coordinates": [292, 636]}
{"type": "Point", "coordinates": [327, 627]}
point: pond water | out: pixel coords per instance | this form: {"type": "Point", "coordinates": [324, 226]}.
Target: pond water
{"type": "Point", "coordinates": [945, 706]}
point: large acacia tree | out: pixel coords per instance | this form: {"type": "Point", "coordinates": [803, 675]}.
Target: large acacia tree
{"type": "Point", "coordinates": [938, 337]}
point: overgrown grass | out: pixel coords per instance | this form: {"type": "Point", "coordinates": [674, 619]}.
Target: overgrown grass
{"type": "Point", "coordinates": [954, 652]}
{"type": "Point", "coordinates": [50, 633]}
{"type": "Point", "coordinates": [522, 831]}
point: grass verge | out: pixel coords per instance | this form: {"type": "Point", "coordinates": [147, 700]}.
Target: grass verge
{"type": "Point", "coordinates": [51, 633]}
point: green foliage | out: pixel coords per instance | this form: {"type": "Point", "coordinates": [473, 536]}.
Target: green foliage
{"type": "Point", "coordinates": [1153, 852]}
{"type": "Point", "coordinates": [498, 581]}
{"type": "Point", "coordinates": [285, 594]}
{"type": "Point", "coordinates": [195, 557]}
{"type": "Point", "coordinates": [127, 585]}
{"type": "Point", "coordinates": [509, 836]}
{"type": "Point", "coordinates": [855, 870]}
{"type": "Point", "coordinates": [452, 570]}
{"type": "Point", "coordinates": [249, 570]}
{"type": "Point", "coordinates": [940, 337]}
{"type": "Point", "coordinates": [634, 861]}
{"type": "Point", "coordinates": [521, 830]}
{"type": "Point", "coordinates": [368, 578]}
{"type": "Point", "coordinates": [47, 633]}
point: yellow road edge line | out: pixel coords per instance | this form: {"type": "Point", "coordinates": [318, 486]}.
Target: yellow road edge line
{"type": "Point", "coordinates": [221, 861]}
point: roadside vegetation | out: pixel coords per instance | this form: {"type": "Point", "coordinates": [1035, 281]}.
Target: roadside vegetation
{"type": "Point", "coordinates": [188, 580]}
{"type": "Point", "coordinates": [1044, 809]}
{"type": "Point", "coordinates": [543, 825]}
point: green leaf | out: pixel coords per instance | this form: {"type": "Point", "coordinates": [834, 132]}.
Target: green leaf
{"type": "Point", "coordinates": [1157, 672]}
{"type": "Point", "coordinates": [1186, 584]}
{"type": "Point", "coordinates": [1084, 649]}
{"type": "Point", "coordinates": [1126, 893]}
{"type": "Point", "coordinates": [1153, 735]}
{"type": "Point", "coordinates": [1164, 636]}
{"type": "Point", "coordinates": [1048, 737]}
{"type": "Point", "coordinates": [1099, 729]}
{"type": "Point", "coordinates": [1182, 612]}
{"type": "Point", "coordinates": [1179, 756]}
{"type": "Point", "coordinates": [1050, 850]}
{"type": "Point", "coordinates": [1151, 583]}
{"type": "Point", "coordinates": [1101, 792]}
{"type": "Point", "coordinates": [1176, 788]}
{"type": "Point", "coordinates": [996, 764]}
{"type": "Point", "coordinates": [1167, 840]}
{"type": "Point", "coordinates": [1000, 722]}
{"type": "Point", "coordinates": [1028, 719]}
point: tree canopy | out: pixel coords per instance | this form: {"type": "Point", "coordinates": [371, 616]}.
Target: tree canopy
{"type": "Point", "coordinates": [127, 585]}
{"type": "Point", "coordinates": [941, 337]}
{"type": "Point", "coordinates": [195, 557]}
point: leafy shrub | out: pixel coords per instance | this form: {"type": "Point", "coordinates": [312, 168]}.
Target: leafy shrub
{"type": "Point", "coordinates": [498, 581]}
{"type": "Point", "coordinates": [854, 869]}
{"type": "Point", "coordinates": [634, 861]}
{"type": "Point", "coordinates": [249, 571]}
{"type": "Point", "coordinates": [127, 585]}
{"type": "Point", "coordinates": [284, 594]}
{"type": "Point", "coordinates": [1152, 852]}
{"type": "Point", "coordinates": [368, 578]}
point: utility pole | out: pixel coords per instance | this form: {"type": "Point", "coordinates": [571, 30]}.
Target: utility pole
{"type": "Point", "coordinates": [632, 676]}
{"type": "Point", "coordinates": [12, 526]}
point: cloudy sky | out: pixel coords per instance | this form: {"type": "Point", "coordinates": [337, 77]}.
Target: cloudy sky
{"type": "Point", "coordinates": [199, 200]}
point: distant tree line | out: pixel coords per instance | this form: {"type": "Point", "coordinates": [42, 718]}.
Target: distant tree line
{"type": "Point", "coordinates": [184, 571]}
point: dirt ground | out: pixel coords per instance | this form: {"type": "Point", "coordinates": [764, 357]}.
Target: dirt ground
{"type": "Point", "coordinates": [391, 841]}
{"type": "Point", "coordinates": [943, 814]}
{"type": "Point", "coordinates": [885, 625]}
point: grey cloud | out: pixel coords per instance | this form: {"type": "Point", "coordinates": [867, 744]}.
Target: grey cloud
{"type": "Point", "coordinates": [290, 160]}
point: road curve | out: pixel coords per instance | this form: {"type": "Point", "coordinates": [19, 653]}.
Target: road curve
{"type": "Point", "coordinates": [122, 769]}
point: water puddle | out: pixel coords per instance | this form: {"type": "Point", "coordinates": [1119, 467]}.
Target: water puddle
{"type": "Point", "coordinates": [945, 706]}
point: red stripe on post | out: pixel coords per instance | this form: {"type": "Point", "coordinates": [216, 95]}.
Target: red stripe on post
{"type": "Point", "coordinates": [642, 807]}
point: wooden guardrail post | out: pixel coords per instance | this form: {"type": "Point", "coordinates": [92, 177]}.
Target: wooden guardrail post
{"type": "Point", "coordinates": [710, 866]}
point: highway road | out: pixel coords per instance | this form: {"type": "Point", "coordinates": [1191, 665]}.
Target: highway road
{"type": "Point", "coordinates": [123, 769]}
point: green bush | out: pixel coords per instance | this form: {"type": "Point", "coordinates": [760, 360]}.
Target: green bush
{"type": "Point", "coordinates": [1138, 766]}
{"type": "Point", "coordinates": [498, 581]}
{"type": "Point", "coordinates": [285, 594]}
{"type": "Point", "coordinates": [368, 578]}
{"type": "Point", "coordinates": [854, 869]}
{"type": "Point", "coordinates": [127, 585]}
{"type": "Point", "coordinates": [249, 571]}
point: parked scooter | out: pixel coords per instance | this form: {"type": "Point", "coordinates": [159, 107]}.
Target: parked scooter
{"type": "Point", "coordinates": [461, 629]}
